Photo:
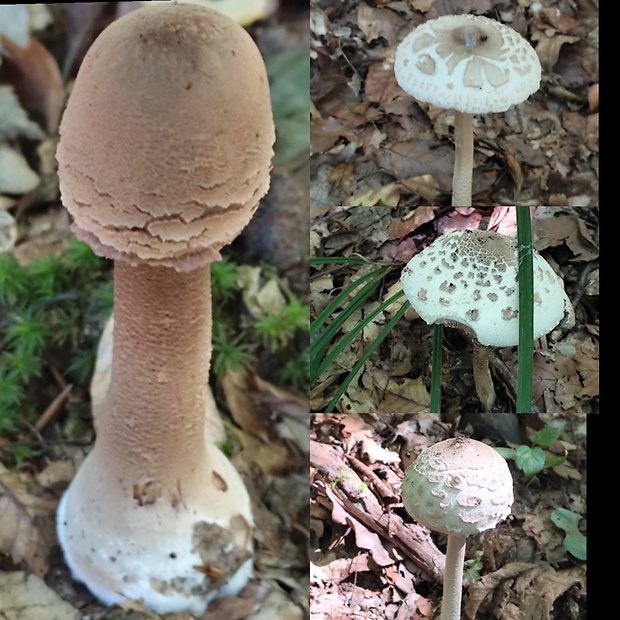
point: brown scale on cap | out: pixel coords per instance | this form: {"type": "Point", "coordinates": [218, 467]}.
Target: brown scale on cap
{"type": "Point", "coordinates": [165, 150]}
{"type": "Point", "coordinates": [470, 277]}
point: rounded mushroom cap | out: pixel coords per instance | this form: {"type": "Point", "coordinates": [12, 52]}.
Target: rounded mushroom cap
{"type": "Point", "coordinates": [458, 486]}
{"type": "Point", "coordinates": [166, 142]}
{"type": "Point", "coordinates": [468, 63]}
{"type": "Point", "coordinates": [470, 277]}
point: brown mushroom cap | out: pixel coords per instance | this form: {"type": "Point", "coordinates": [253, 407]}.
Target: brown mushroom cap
{"type": "Point", "coordinates": [458, 486]}
{"type": "Point", "coordinates": [166, 142]}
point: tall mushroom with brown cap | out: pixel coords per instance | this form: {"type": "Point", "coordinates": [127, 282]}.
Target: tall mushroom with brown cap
{"type": "Point", "coordinates": [469, 279]}
{"type": "Point", "coordinates": [459, 487]}
{"type": "Point", "coordinates": [165, 150]}
{"type": "Point", "coordinates": [472, 65]}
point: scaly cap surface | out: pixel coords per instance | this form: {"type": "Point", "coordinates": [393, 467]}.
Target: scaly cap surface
{"type": "Point", "coordinates": [458, 486]}
{"type": "Point", "coordinates": [471, 277]}
{"type": "Point", "coordinates": [166, 142]}
{"type": "Point", "coordinates": [467, 63]}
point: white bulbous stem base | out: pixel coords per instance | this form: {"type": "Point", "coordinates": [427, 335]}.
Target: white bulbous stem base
{"type": "Point", "coordinates": [463, 159]}
{"type": "Point", "coordinates": [453, 578]}
{"type": "Point", "coordinates": [156, 513]}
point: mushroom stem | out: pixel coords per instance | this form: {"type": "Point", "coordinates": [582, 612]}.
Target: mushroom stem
{"type": "Point", "coordinates": [453, 578]}
{"type": "Point", "coordinates": [463, 159]}
{"type": "Point", "coordinates": [160, 369]}
{"type": "Point", "coordinates": [482, 376]}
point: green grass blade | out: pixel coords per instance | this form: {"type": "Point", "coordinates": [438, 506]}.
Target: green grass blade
{"type": "Point", "coordinates": [321, 343]}
{"type": "Point", "coordinates": [330, 358]}
{"type": "Point", "coordinates": [360, 363]}
{"type": "Point", "coordinates": [526, 311]}
{"type": "Point", "coordinates": [338, 301]}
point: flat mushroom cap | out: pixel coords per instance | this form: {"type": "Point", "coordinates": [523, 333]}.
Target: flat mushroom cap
{"type": "Point", "coordinates": [468, 63]}
{"type": "Point", "coordinates": [166, 142]}
{"type": "Point", "coordinates": [458, 486]}
{"type": "Point", "coordinates": [470, 277]}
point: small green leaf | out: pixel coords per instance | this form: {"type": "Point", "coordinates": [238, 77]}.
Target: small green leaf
{"type": "Point", "coordinates": [507, 453]}
{"type": "Point", "coordinates": [575, 541]}
{"type": "Point", "coordinates": [530, 460]}
{"type": "Point", "coordinates": [565, 519]}
{"type": "Point", "coordinates": [554, 461]}
{"type": "Point", "coordinates": [545, 436]}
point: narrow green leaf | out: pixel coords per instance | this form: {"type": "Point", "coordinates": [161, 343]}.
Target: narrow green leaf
{"type": "Point", "coordinates": [322, 342]}
{"type": "Point", "coordinates": [360, 363]}
{"type": "Point", "coordinates": [526, 311]}
{"type": "Point", "coordinates": [343, 344]}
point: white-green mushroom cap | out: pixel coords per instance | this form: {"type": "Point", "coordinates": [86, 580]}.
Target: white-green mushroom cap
{"type": "Point", "coordinates": [458, 486]}
{"type": "Point", "coordinates": [470, 277]}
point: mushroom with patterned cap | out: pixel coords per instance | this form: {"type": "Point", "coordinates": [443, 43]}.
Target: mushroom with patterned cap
{"type": "Point", "coordinates": [470, 64]}
{"type": "Point", "coordinates": [469, 279]}
{"type": "Point", "coordinates": [165, 151]}
{"type": "Point", "coordinates": [459, 487]}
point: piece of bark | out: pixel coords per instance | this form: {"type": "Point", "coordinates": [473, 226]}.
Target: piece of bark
{"type": "Point", "coordinates": [413, 540]}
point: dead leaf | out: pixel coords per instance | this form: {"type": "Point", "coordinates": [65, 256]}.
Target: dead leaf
{"type": "Point", "coordinates": [364, 538]}
{"type": "Point", "coordinates": [27, 525]}
{"type": "Point", "coordinates": [16, 176]}
{"type": "Point", "coordinates": [24, 596]}
{"type": "Point", "coordinates": [35, 75]}
{"type": "Point", "coordinates": [13, 119]}
{"type": "Point", "coordinates": [519, 590]}
{"type": "Point", "coordinates": [386, 196]}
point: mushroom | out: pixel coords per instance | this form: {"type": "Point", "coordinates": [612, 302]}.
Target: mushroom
{"type": "Point", "coordinates": [165, 150]}
{"type": "Point", "coordinates": [472, 65]}
{"type": "Point", "coordinates": [459, 487]}
{"type": "Point", "coordinates": [469, 279]}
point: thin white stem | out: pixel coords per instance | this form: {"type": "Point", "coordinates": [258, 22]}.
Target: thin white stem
{"type": "Point", "coordinates": [453, 578]}
{"type": "Point", "coordinates": [463, 159]}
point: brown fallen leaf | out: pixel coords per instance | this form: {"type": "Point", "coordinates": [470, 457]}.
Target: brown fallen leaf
{"type": "Point", "coordinates": [520, 590]}
{"type": "Point", "coordinates": [24, 596]}
{"type": "Point", "coordinates": [27, 525]}
{"type": "Point", "coordinates": [265, 410]}
{"type": "Point", "coordinates": [35, 75]}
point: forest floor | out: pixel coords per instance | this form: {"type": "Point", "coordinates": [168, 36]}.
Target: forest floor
{"type": "Point", "coordinates": [371, 560]}
{"type": "Point", "coordinates": [372, 144]}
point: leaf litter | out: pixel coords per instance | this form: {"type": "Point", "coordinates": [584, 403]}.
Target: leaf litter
{"type": "Point", "coordinates": [372, 144]}
{"type": "Point", "coordinates": [370, 559]}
